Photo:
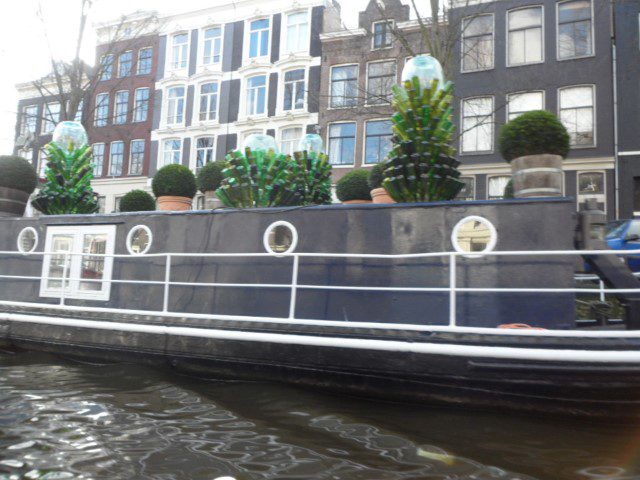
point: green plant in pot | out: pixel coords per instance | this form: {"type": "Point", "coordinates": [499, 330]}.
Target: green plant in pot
{"type": "Point", "coordinates": [535, 143]}
{"type": "Point", "coordinates": [137, 201]}
{"type": "Point", "coordinates": [354, 187]}
{"type": "Point", "coordinates": [67, 187]}
{"type": "Point", "coordinates": [174, 187]}
{"type": "Point", "coordinates": [379, 194]}
{"type": "Point", "coordinates": [208, 181]}
{"type": "Point", "coordinates": [18, 180]}
{"type": "Point", "coordinates": [420, 165]}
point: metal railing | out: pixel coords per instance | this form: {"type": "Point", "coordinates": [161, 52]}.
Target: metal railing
{"type": "Point", "coordinates": [294, 286]}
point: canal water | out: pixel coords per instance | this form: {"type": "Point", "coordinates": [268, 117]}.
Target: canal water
{"type": "Point", "coordinates": [61, 419]}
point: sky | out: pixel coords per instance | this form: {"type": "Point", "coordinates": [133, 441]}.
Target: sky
{"type": "Point", "coordinates": [24, 46]}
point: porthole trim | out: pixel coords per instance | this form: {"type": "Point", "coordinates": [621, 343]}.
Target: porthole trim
{"type": "Point", "coordinates": [493, 240]}
{"type": "Point", "coordinates": [270, 228]}
{"type": "Point", "coordinates": [130, 238]}
{"type": "Point", "coordinates": [35, 244]}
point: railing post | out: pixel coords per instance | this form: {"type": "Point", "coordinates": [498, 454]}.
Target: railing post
{"type": "Point", "coordinates": [64, 277]}
{"type": "Point", "coordinates": [294, 287]}
{"type": "Point", "coordinates": [167, 281]}
{"type": "Point", "coordinates": [452, 289]}
{"type": "Point", "coordinates": [602, 295]}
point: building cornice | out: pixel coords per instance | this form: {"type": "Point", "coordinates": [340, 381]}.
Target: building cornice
{"type": "Point", "coordinates": [340, 34]}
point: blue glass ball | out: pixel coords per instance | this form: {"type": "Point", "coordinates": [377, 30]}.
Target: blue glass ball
{"type": "Point", "coordinates": [259, 141]}
{"type": "Point", "coordinates": [68, 134]}
{"type": "Point", "coordinates": [311, 142]}
{"type": "Point", "coordinates": [426, 68]}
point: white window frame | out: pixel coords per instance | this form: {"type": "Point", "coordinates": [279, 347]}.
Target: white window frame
{"type": "Point", "coordinates": [363, 161]}
{"type": "Point", "coordinates": [515, 94]}
{"type": "Point", "coordinates": [110, 173]}
{"type": "Point", "coordinates": [104, 151]}
{"type": "Point", "coordinates": [203, 42]}
{"type": "Point", "coordinates": [198, 99]}
{"type": "Point", "coordinates": [493, 44]}
{"type": "Point", "coordinates": [72, 290]}
{"type": "Point", "coordinates": [489, 177]}
{"type": "Point", "coordinates": [508, 32]}
{"type": "Point", "coordinates": [172, 112]}
{"type": "Point", "coordinates": [120, 64]}
{"type": "Point", "coordinates": [474, 182]}
{"type": "Point", "coordinates": [116, 112]}
{"type": "Point", "coordinates": [389, 32]}
{"type": "Point", "coordinates": [295, 145]}
{"type": "Point", "coordinates": [138, 72]}
{"type": "Point", "coordinates": [284, 37]}
{"type": "Point", "coordinates": [330, 93]}
{"type": "Point", "coordinates": [162, 158]}
{"type": "Point", "coordinates": [283, 85]}
{"type": "Point", "coordinates": [144, 153]}
{"type": "Point", "coordinates": [247, 40]}
{"type": "Point", "coordinates": [103, 69]}
{"type": "Point", "coordinates": [184, 48]}
{"type": "Point", "coordinates": [104, 121]}
{"type": "Point", "coordinates": [366, 88]}
{"type": "Point", "coordinates": [24, 120]}
{"type": "Point", "coordinates": [135, 105]}
{"type": "Point", "coordinates": [49, 125]}
{"type": "Point", "coordinates": [598, 196]}
{"type": "Point", "coordinates": [245, 96]}
{"type": "Point", "coordinates": [355, 144]}
{"type": "Point", "coordinates": [593, 34]}
{"type": "Point", "coordinates": [492, 124]}
{"type": "Point", "coordinates": [594, 95]}
{"type": "Point", "coordinates": [194, 162]}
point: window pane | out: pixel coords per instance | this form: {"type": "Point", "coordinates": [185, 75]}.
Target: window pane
{"type": "Point", "coordinates": [289, 140]}
{"type": "Point", "coordinates": [497, 186]}
{"type": "Point", "coordinates": [524, 18]}
{"type": "Point", "coordinates": [477, 43]}
{"type": "Point", "coordinates": [59, 243]}
{"type": "Point", "coordinates": [574, 29]}
{"type": "Point", "coordinates": [378, 141]}
{"type": "Point", "coordinates": [342, 143]}
{"type": "Point", "coordinates": [591, 183]}
{"type": "Point", "coordinates": [524, 102]}
{"type": "Point", "coordinates": [93, 267]}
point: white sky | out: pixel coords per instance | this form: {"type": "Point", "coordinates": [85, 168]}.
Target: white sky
{"type": "Point", "coordinates": [25, 55]}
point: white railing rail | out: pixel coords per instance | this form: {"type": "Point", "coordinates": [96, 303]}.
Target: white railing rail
{"type": "Point", "coordinates": [294, 286]}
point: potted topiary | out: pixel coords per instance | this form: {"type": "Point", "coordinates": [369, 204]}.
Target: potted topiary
{"type": "Point", "coordinates": [18, 180]}
{"type": "Point", "coordinates": [174, 186]}
{"type": "Point", "coordinates": [209, 179]}
{"type": "Point", "coordinates": [137, 201]}
{"type": "Point", "coordinates": [354, 187]}
{"type": "Point", "coordinates": [379, 194]}
{"type": "Point", "coordinates": [535, 144]}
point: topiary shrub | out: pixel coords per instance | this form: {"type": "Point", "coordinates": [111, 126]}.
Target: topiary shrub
{"type": "Point", "coordinates": [354, 186]}
{"type": "Point", "coordinates": [210, 176]}
{"type": "Point", "coordinates": [533, 133]}
{"type": "Point", "coordinates": [174, 180]}
{"type": "Point", "coordinates": [376, 176]}
{"type": "Point", "coordinates": [137, 201]}
{"type": "Point", "coordinates": [17, 173]}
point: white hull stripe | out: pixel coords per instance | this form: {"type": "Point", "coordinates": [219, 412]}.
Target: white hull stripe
{"type": "Point", "coordinates": [467, 351]}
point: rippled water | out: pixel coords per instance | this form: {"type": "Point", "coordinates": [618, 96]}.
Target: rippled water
{"type": "Point", "coordinates": [60, 419]}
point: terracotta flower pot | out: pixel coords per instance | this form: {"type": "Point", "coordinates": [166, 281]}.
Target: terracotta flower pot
{"type": "Point", "coordinates": [174, 204]}
{"type": "Point", "coordinates": [12, 202]}
{"type": "Point", "coordinates": [380, 195]}
{"type": "Point", "coordinates": [537, 176]}
{"type": "Point", "coordinates": [353, 202]}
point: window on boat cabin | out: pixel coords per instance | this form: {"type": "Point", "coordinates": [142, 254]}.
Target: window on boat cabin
{"type": "Point", "coordinates": [477, 125]}
{"type": "Point", "coordinates": [592, 185]}
{"type": "Point", "coordinates": [342, 143]}
{"type": "Point", "coordinates": [98, 159]}
{"type": "Point", "coordinates": [381, 76]}
{"type": "Point", "coordinates": [297, 32]}
{"type": "Point", "coordinates": [477, 43]}
{"type": "Point", "coordinates": [344, 86]}
{"type": "Point", "coordinates": [212, 46]}
{"type": "Point", "coordinates": [575, 29]}
{"type": "Point", "coordinates": [179, 51]}
{"type": "Point", "coordinates": [377, 140]}
{"type": "Point", "coordinates": [85, 276]}
{"type": "Point", "coordinates": [259, 33]}
{"type": "Point", "coordinates": [382, 34]}
{"type": "Point", "coordinates": [496, 186]}
{"type": "Point", "coordinates": [519, 103]}
{"type": "Point", "coordinates": [468, 192]}
{"type": "Point", "coordinates": [576, 105]}
{"type": "Point", "coordinates": [51, 117]}
{"type": "Point", "coordinates": [525, 37]}
{"type": "Point", "coordinates": [289, 139]}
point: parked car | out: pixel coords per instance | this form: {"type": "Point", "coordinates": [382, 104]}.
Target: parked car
{"type": "Point", "coordinates": [625, 235]}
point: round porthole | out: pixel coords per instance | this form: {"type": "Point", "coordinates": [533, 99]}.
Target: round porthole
{"type": "Point", "coordinates": [139, 240]}
{"type": "Point", "coordinates": [27, 240]}
{"type": "Point", "coordinates": [474, 235]}
{"type": "Point", "coordinates": [280, 237]}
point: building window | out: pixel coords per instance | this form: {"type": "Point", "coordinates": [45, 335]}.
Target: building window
{"type": "Point", "coordinates": [26, 153]}
{"type": "Point", "coordinates": [87, 276]}
{"type": "Point", "coordinates": [121, 108]}
{"type": "Point", "coordinates": [256, 95]}
{"type": "Point", "coordinates": [125, 64]}
{"type": "Point", "coordinates": [297, 32]}
{"type": "Point", "coordinates": [106, 64]}
{"type": "Point", "coordinates": [477, 43]}
{"type": "Point", "coordinates": [378, 141]}
{"type": "Point", "coordinates": [171, 151]}
{"type": "Point", "coordinates": [208, 101]}
{"type": "Point", "coordinates": [116, 158]}
{"type": "Point", "coordinates": [496, 186]}
{"type": "Point", "coordinates": [577, 114]}
{"type": "Point", "coordinates": [145, 60]}
{"type": "Point", "coordinates": [51, 117]}
{"type": "Point", "coordinates": [98, 159]}
{"type": "Point", "coordinates": [29, 119]}
{"type": "Point", "coordinates": [592, 185]}
{"type": "Point", "coordinates": [136, 160]}
{"type": "Point", "coordinates": [43, 159]}
{"type": "Point", "coordinates": [381, 76]}
{"type": "Point", "coordinates": [294, 90]}
{"type": "Point", "coordinates": [175, 106]}
{"type": "Point", "coordinates": [519, 103]}
{"type": "Point", "coordinates": [344, 86]}
{"type": "Point", "coordinates": [477, 125]}
{"type": "Point", "coordinates": [102, 200]}
{"type": "Point", "coordinates": [141, 106]}
{"type": "Point", "coordinates": [382, 34]}
{"type": "Point", "coordinates": [212, 46]}
{"type": "Point", "coordinates": [205, 152]}
{"type": "Point", "coordinates": [259, 38]}
{"type": "Point", "coordinates": [179, 51]}
{"type": "Point", "coordinates": [525, 36]}
{"type": "Point", "coordinates": [78, 116]}
{"type": "Point", "coordinates": [468, 192]}
{"type": "Point", "coordinates": [289, 139]}
{"type": "Point", "coordinates": [342, 143]}
{"type": "Point", "coordinates": [102, 110]}
{"type": "Point", "coordinates": [575, 34]}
